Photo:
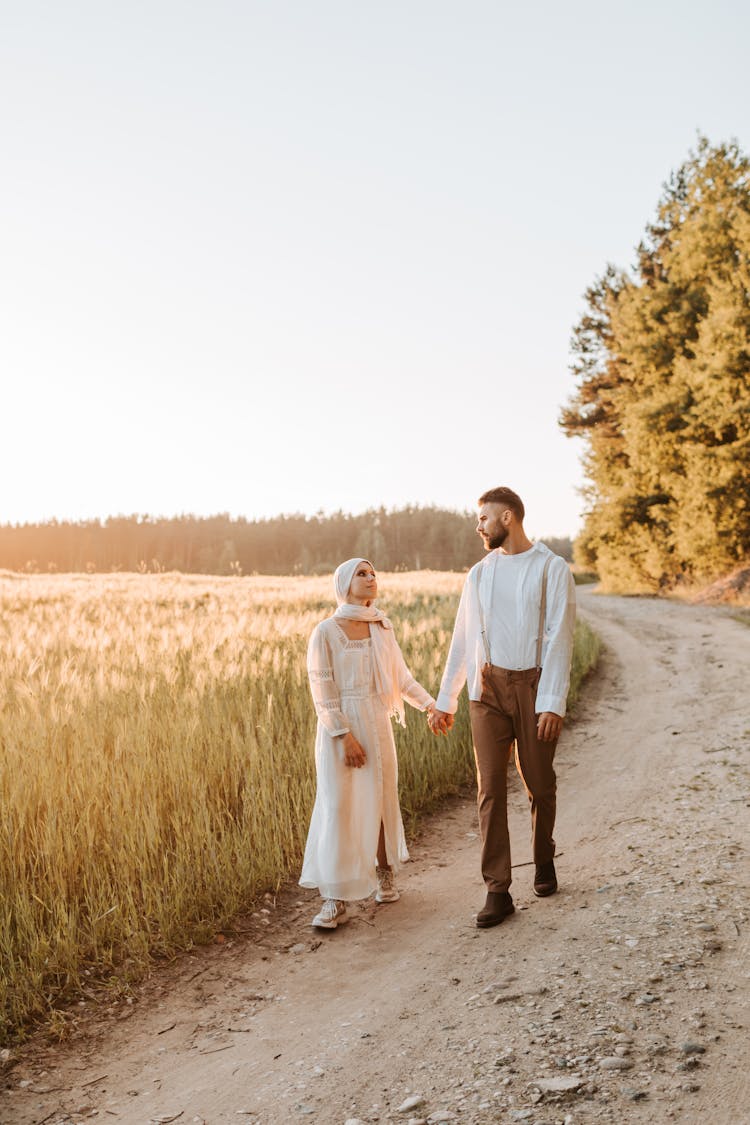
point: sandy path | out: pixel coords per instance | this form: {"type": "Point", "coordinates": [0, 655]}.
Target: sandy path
{"type": "Point", "coordinates": [641, 958]}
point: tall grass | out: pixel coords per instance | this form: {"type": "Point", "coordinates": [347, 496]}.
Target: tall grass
{"type": "Point", "coordinates": [586, 650]}
{"type": "Point", "coordinates": [156, 766]}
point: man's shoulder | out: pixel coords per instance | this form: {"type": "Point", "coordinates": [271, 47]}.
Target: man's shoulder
{"type": "Point", "coordinates": [558, 569]}
{"type": "Point", "coordinates": [554, 559]}
{"type": "Point", "coordinates": [476, 570]}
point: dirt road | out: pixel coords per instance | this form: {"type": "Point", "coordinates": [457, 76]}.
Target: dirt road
{"type": "Point", "coordinates": [621, 999]}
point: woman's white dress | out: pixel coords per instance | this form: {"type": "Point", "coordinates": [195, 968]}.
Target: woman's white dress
{"type": "Point", "coordinates": [350, 803]}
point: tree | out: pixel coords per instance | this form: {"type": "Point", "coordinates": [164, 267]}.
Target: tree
{"type": "Point", "coordinates": [662, 360]}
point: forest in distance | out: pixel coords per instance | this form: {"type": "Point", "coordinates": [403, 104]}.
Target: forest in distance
{"type": "Point", "coordinates": [404, 539]}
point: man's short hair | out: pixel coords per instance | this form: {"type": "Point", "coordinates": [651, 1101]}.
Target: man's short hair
{"type": "Point", "coordinates": [507, 497]}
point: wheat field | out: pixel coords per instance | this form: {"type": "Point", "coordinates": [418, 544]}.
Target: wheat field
{"type": "Point", "coordinates": [156, 760]}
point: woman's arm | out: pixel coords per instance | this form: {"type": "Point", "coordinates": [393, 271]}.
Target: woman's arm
{"type": "Point", "coordinates": [325, 693]}
{"type": "Point", "coordinates": [327, 700]}
{"type": "Point", "coordinates": [410, 689]}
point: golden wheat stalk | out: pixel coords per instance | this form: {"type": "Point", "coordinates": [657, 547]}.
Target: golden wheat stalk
{"type": "Point", "coordinates": [156, 760]}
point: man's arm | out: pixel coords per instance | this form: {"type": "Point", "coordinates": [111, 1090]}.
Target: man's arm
{"type": "Point", "coordinates": [552, 693]}
{"type": "Point", "coordinates": [454, 676]}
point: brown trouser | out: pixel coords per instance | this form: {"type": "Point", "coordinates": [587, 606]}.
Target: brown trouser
{"type": "Point", "coordinates": [506, 713]}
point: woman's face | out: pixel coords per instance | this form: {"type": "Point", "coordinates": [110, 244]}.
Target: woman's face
{"type": "Point", "coordinates": [364, 585]}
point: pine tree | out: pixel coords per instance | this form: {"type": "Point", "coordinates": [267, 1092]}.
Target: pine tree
{"type": "Point", "coordinates": [662, 361]}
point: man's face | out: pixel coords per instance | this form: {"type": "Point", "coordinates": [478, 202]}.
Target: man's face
{"type": "Point", "coordinates": [492, 525]}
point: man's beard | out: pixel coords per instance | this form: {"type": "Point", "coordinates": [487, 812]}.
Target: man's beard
{"type": "Point", "coordinates": [497, 539]}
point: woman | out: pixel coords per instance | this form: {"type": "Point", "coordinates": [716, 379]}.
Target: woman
{"type": "Point", "coordinates": [358, 680]}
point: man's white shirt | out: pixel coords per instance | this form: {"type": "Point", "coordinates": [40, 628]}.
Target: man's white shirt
{"type": "Point", "coordinates": [509, 588]}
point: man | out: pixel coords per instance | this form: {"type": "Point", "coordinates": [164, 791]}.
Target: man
{"type": "Point", "coordinates": [513, 641]}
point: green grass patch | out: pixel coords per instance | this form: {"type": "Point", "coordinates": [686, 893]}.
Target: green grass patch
{"type": "Point", "coordinates": [586, 652]}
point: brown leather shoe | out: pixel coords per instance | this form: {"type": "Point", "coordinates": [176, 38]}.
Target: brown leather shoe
{"type": "Point", "coordinates": [545, 879]}
{"type": "Point", "coordinates": [499, 905]}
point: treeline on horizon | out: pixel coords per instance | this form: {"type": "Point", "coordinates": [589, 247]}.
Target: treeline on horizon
{"type": "Point", "coordinates": [410, 538]}
{"type": "Point", "coordinates": [662, 363]}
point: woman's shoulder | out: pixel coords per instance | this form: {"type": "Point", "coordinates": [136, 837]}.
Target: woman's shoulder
{"type": "Point", "coordinates": [320, 646]}
{"type": "Point", "coordinates": [324, 628]}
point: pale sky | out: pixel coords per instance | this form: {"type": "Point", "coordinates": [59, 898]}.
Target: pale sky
{"type": "Point", "coordinates": [315, 255]}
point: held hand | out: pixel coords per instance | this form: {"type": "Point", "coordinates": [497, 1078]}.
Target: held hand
{"type": "Point", "coordinates": [548, 726]}
{"type": "Point", "coordinates": [440, 721]}
{"type": "Point", "coordinates": [354, 752]}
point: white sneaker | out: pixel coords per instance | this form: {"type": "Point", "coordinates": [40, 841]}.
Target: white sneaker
{"type": "Point", "coordinates": [387, 891]}
{"type": "Point", "coordinates": [331, 914]}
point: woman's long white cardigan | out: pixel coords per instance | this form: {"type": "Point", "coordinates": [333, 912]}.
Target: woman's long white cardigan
{"type": "Point", "coordinates": [350, 803]}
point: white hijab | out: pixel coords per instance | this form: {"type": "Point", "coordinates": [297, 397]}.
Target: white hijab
{"type": "Point", "coordinates": [384, 648]}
